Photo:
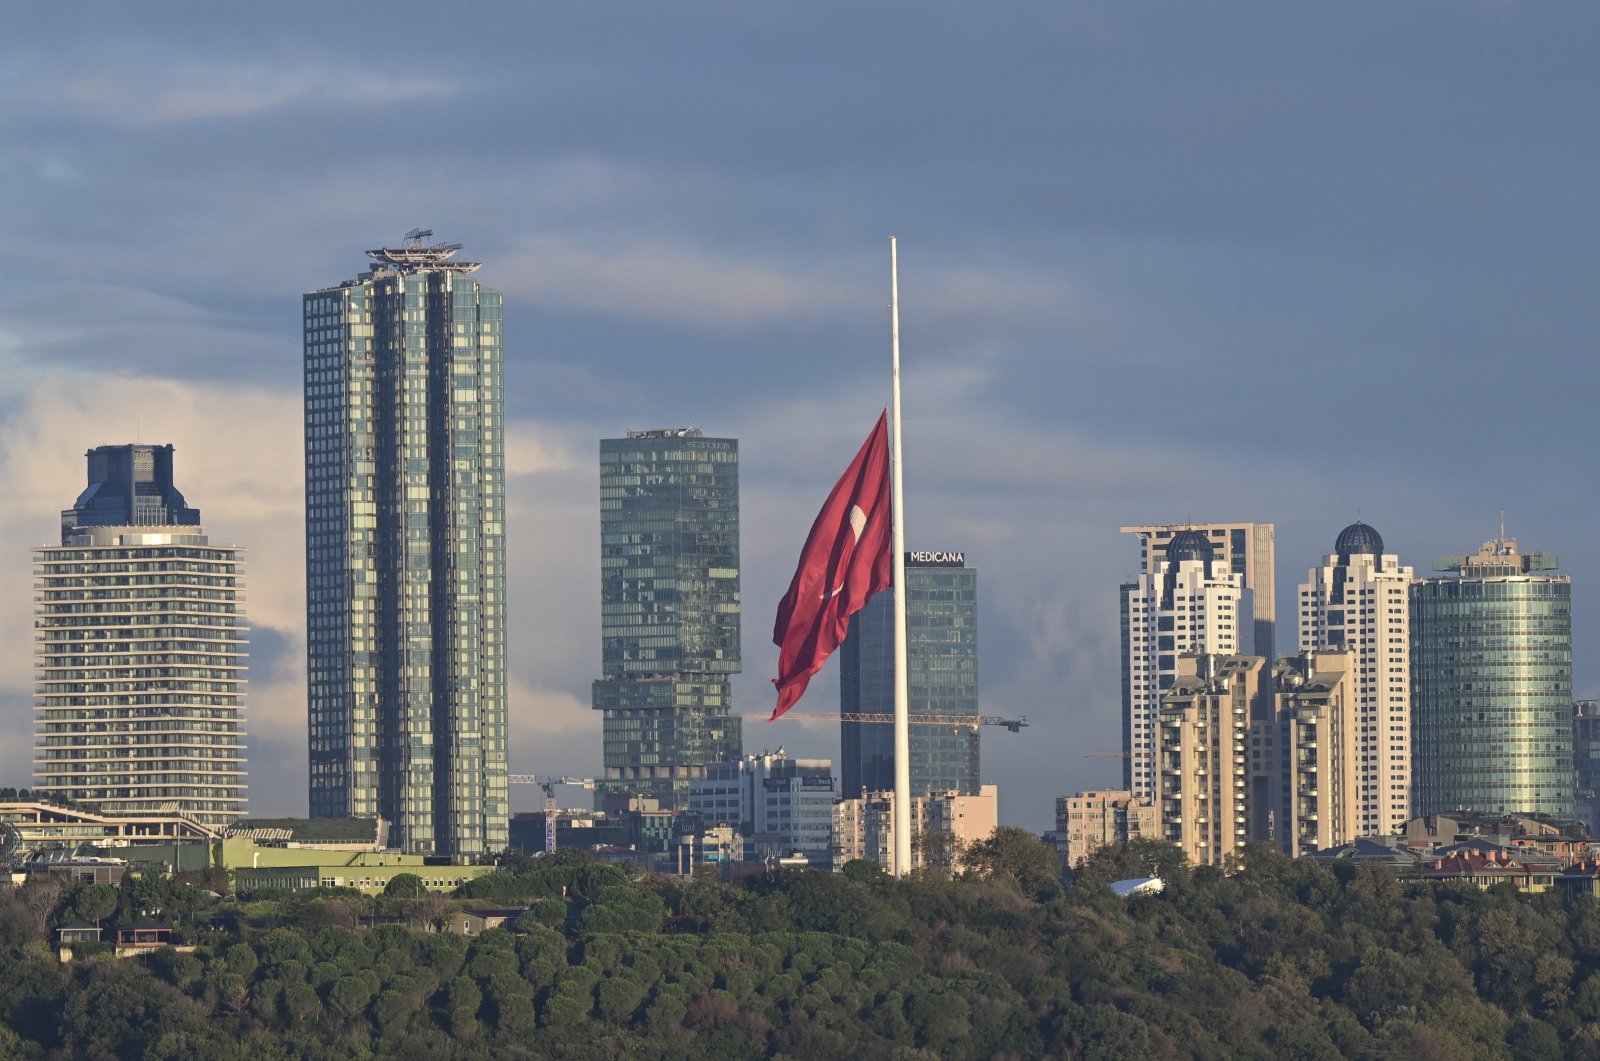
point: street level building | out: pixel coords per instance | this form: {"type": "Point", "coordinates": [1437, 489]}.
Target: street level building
{"type": "Point", "coordinates": [1356, 601]}
{"type": "Point", "coordinates": [669, 611]}
{"type": "Point", "coordinates": [1203, 786]}
{"type": "Point", "coordinates": [139, 636]}
{"type": "Point", "coordinates": [1090, 820]}
{"type": "Point", "coordinates": [781, 805]}
{"type": "Point", "coordinates": [405, 550]}
{"type": "Point", "coordinates": [1189, 599]}
{"type": "Point", "coordinates": [1491, 677]}
{"type": "Point", "coordinates": [941, 679]}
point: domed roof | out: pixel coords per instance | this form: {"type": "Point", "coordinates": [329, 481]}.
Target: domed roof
{"type": "Point", "coordinates": [1356, 539]}
{"type": "Point", "coordinates": [1190, 545]}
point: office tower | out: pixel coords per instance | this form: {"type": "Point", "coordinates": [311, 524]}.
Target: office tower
{"type": "Point", "coordinates": [941, 679]}
{"type": "Point", "coordinates": [1491, 685]}
{"type": "Point", "coordinates": [1087, 821]}
{"type": "Point", "coordinates": [669, 610]}
{"type": "Point", "coordinates": [1248, 549]}
{"type": "Point", "coordinates": [1203, 784]}
{"type": "Point", "coordinates": [1357, 600]}
{"type": "Point", "coordinates": [405, 550]}
{"type": "Point", "coordinates": [1307, 758]}
{"type": "Point", "coordinates": [1586, 764]}
{"type": "Point", "coordinates": [140, 648]}
{"type": "Point", "coordinates": [1188, 599]}
{"type": "Point", "coordinates": [782, 805]}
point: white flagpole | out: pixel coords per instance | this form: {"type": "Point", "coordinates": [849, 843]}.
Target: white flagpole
{"type": "Point", "coordinates": [902, 713]}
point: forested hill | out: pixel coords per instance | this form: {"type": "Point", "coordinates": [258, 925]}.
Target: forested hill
{"type": "Point", "coordinates": [1279, 960]}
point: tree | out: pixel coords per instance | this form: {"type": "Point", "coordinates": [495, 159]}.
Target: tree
{"type": "Point", "coordinates": [405, 886]}
{"type": "Point", "coordinates": [96, 901]}
{"type": "Point", "coordinates": [1014, 854]}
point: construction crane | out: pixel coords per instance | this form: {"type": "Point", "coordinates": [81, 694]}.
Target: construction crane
{"type": "Point", "coordinates": [548, 786]}
{"type": "Point", "coordinates": [969, 721]}
{"type": "Point", "coordinates": [1108, 755]}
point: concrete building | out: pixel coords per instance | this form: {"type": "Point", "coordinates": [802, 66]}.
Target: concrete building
{"type": "Point", "coordinates": [1089, 820]}
{"type": "Point", "coordinates": [405, 550]}
{"type": "Point", "coordinates": [1307, 759]}
{"type": "Point", "coordinates": [1586, 764]}
{"type": "Point", "coordinates": [1249, 549]}
{"type": "Point", "coordinates": [139, 650]}
{"type": "Point", "coordinates": [1187, 599]}
{"type": "Point", "coordinates": [941, 679]}
{"type": "Point", "coordinates": [1356, 600]}
{"type": "Point", "coordinates": [1203, 785]}
{"type": "Point", "coordinates": [943, 824]}
{"type": "Point", "coordinates": [669, 611]}
{"type": "Point", "coordinates": [1491, 679]}
{"type": "Point", "coordinates": [781, 805]}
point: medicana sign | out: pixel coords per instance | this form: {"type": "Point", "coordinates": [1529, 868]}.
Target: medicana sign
{"type": "Point", "coordinates": [936, 559]}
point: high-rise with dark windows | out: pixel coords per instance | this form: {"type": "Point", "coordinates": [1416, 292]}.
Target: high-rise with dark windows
{"type": "Point", "coordinates": [669, 610]}
{"type": "Point", "coordinates": [140, 645]}
{"type": "Point", "coordinates": [1491, 685]}
{"type": "Point", "coordinates": [405, 550]}
{"type": "Point", "coordinates": [941, 679]}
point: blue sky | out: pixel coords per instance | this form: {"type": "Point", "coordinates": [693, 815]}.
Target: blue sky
{"type": "Point", "coordinates": [1279, 262]}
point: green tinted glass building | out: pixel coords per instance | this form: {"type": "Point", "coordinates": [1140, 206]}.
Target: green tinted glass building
{"type": "Point", "coordinates": [669, 610]}
{"type": "Point", "coordinates": [405, 550]}
{"type": "Point", "coordinates": [941, 679]}
{"type": "Point", "coordinates": [1491, 672]}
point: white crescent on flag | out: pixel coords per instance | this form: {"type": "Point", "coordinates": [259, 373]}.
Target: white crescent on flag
{"type": "Point", "coordinates": [858, 522]}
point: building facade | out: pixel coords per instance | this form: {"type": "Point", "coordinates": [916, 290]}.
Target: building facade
{"type": "Point", "coordinates": [140, 650]}
{"type": "Point", "coordinates": [941, 679]}
{"type": "Point", "coordinates": [943, 824]}
{"type": "Point", "coordinates": [405, 551]}
{"type": "Point", "coordinates": [1090, 820]}
{"type": "Point", "coordinates": [1307, 760]}
{"type": "Point", "coordinates": [1586, 764]}
{"type": "Point", "coordinates": [781, 805]}
{"type": "Point", "coordinates": [1491, 682]}
{"type": "Point", "coordinates": [669, 610]}
{"type": "Point", "coordinates": [1204, 789]}
{"type": "Point", "coordinates": [1188, 600]}
{"type": "Point", "coordinates": [1249, 549]}
{"type": "Point", "coordinates": [1357, 600]}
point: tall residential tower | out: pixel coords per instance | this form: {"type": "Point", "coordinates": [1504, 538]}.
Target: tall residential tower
{"type": "Point", "coordinates": [140, 641]}
{"type": "Point", "coordinates": [1356, 601]}
{"type": "Point", "coordinates": [669, 610]}
{"type": "Point", "coordinates": [941, 679]}
{"type": "Point", "coordinates": [1188, 599]}
{"type": "Point", "coordinates": [405, 550]}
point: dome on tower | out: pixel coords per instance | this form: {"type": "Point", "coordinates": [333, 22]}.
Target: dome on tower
{"type": "Point", "coordinates": [1190, 545]}
{"type": "Point", "coordinates": [1356, 539]}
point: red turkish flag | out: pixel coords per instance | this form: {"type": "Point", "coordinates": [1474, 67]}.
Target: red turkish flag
{"type": "Point", "coordinates": [847, 558]}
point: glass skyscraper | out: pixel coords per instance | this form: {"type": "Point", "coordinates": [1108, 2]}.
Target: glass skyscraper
{"type": "Point", "coordinates": [669, 610]}
{"type": "Point", "coordinates": [941, 679]}
{"type": "Point", "coordinates": [405, 550]}
{"type": "Point", "coordinates": [140, 649]}
{"type": "Point", "coordinates": [1491, 680]}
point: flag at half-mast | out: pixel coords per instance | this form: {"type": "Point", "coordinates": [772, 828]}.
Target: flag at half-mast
{"type": "Point", "coordinates": [847, 558]}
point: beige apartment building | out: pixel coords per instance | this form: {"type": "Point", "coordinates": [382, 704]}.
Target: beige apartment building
{"type": "Point", "coordinates": [1204, 790]}
{"type": "Point", "coordinates": [1089, 820]}
{"type": "Point", "coordinates": [1311, 757]}
{"type": "Point", "coordinates": [943, 824]}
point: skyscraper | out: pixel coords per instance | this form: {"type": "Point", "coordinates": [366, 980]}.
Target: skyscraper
{"type": "Point", "coordinates": [1491, 685]}
{"type": "Point", "coordinates": [1307, 759]}
{"type": "Point", "coordinates": [1188, 599]}
{"type": "Point", "coordinates": [1248, 549]}
{"type": "Point", "coordinates": [669, 610]}
{"type": "Point", "coordinates": [140, 649]}
{"type": "Point", "coordinates": [1204, 795]}
{"type": "Point", "coordinates": [405, 550]}
{"type": "Point", "coordinates": [941, 679]}
{"type": "Point", "coordinates": [1357, 601]}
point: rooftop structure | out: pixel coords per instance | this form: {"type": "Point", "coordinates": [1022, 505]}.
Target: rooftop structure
{"type": "Point", "coordinates": [415, 254]}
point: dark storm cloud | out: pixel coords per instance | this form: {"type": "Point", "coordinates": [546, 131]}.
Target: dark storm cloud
{"type": "Point", "coordinates": [1264, 261]}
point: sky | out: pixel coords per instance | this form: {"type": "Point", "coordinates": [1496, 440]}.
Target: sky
{"type": "Point", "coordinates": [1288, 263]}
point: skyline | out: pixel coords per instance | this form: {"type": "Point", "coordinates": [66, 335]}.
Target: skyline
{"type": "Point", "coordinates": [1142, 256]}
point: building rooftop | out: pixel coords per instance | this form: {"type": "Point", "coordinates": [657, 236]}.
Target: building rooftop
{"type": "Point", "coordinates": [1358, 539]}
{"type": "Point", "coordinates": [415, 254]}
